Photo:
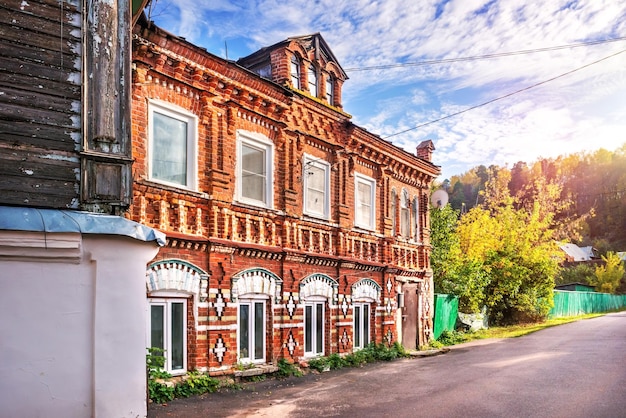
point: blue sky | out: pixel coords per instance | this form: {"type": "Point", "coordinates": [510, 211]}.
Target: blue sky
{"type": "Point", "coordinates": [582, 111]}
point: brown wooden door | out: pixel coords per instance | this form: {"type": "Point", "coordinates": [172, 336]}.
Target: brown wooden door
{"type": "Point", "coordinates": [409, 316]}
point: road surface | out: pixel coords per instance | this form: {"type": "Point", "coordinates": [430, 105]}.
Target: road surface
{"type": "Point", "coordinates": [573, 370]}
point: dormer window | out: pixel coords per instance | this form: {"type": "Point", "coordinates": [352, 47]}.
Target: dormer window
{"type": "Point", "coordinates": [329, 90]}
{"type": "Point", "coordinates": [295, 73]}
{"type": "Point", "coordinates": [312, 79]}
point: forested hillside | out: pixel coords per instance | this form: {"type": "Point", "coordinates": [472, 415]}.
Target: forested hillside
{"type": "Point", "coordinates": [592, 187]}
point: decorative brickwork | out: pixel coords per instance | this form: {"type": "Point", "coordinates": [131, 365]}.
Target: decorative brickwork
{"type": "Point", "coordinates": [265, 278]}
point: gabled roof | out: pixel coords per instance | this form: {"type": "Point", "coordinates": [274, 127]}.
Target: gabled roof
{"type": "Point", "coordinates": [313, 41]}
{"type": "Point", "coordinates": [577, 253]}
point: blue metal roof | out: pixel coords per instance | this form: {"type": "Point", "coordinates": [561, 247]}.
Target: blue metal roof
{"type": "Point", "coordinates": [54, 220]}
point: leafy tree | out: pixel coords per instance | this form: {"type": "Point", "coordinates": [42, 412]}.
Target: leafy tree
{"type": "Point", "coordinates": [452, 272]}
{"type": "Point", "coordinates": [609, 276]}
{"type": "Point", "coordinates": [579, 273]}
{"type": "Point", "coordinates": [516, 251]}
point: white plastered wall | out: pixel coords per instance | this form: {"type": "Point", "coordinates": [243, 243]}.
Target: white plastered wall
{"type": "Point", "coordinates": [72, 328]}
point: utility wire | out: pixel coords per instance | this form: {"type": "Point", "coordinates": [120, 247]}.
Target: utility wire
{"type": "Point", "coordinates": [505, 96]}
{"type": "Point", "coordinates": [482, 57]}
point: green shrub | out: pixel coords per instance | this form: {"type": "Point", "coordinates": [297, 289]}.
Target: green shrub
{"type": "Point", "coordinates": [160, 391]}
{"type": "Point", "coordinates": [319, 364]}
{"type": "Point", "coordinates": [450, 338]}
{"type": "Point", "coordinates": [195, 384]}
{"type": "Point", "coordinates": [286, 369]}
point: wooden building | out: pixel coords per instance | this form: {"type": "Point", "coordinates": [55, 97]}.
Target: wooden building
{"type": "Point", "coordinates": [291, 232]}
{"type": "Point", "coordinates": [72, 271]}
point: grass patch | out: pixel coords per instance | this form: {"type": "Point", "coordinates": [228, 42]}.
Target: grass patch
{"type": "Point", "coordinates": [514, 331]}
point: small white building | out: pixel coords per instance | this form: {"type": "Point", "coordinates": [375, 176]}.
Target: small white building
{"type": "Point", "coordinates": [73, 298]}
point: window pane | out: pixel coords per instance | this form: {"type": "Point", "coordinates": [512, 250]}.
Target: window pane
{"type": "Point", "coordinates": [404, 222]}
{"type": "Point", "coordinates": [366, 325]}
{"type": "Point", "coordinates": [178, 336]}
{"type": "Point", "coordinates": [329, 90]}
{"type": "Point", "coordinates": [259, 334]}
{"type": "Point", "coordinates": [357, 326]}
{"type": "Point", "coordinates": [364, 203]}
{"type": "Point", "coordinates": [308, 329]}
{"type": "Point", "coordinates": [315, 202]}
{"type": "Point", "coordinates": [319, 327]}
{"type": "Point", "coordinates": [315, 189]}
{"type": "Point", "coordinates": [169, 149]}
{"type": "Point", "coordinates": [253, 173]}
{"type": "Point", "coordinates": [244, 325]}
{"type": "Point", "coordinates": [295, 74]}
{"type": "Point", "coordinates": [312, 76]}
{"type": "Point", "coordinates": [157, 326]}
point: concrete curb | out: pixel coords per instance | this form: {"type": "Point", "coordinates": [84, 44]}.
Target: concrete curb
{"type": "Point", "coordinates": [428, 353]}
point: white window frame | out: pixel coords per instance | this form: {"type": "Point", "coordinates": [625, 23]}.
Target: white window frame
{"type": "Point", "coordinates": [394, 205]}
{"type": "Point", "coordinates": [167, 304]}
{"type": "Point", "coordinates": [405, 214]}
{"type": "Point", "coordinates": [260, 142]}
{"type": "Point", "coordinates": [313, 302]}
{"type": "Point", "coordinates": [310, 161]}
{"type": "Point", "coordinates": [360, 178]}
{"type": "Point", "coordinates": [250, 301]}
{"type": "Point", "coordinates": [361, 326]}
{"type": "Point", "coordinates": [330, 94]}
{"type": "Point", "coordinates": [294, 72]}
{"type": "Point", "coordinates": [312, 80]}
{"type": "Point", "coordinates": [175, 112]}
{"type": "Point", "coordinates": [416, 221]}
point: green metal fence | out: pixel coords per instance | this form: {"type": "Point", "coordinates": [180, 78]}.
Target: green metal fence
{"type": "Point", "coordinates": [567, 303]}
{"type": "Point", "coordinates": [446, 311]}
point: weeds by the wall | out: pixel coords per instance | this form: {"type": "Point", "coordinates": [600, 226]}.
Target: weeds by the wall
{"type": "Point", "coordinates": [161, 389]}
{"type": "Point", "coordinates": [371, 353]}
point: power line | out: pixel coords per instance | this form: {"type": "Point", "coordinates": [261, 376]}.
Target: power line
{"type": "Point", "coordinates": [505, 96]}
{"type": "Point", "coordinates": [482, 57]}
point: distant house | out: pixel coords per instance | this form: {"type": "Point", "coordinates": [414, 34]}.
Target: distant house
{"type": "Point", "coordinates": [574, 253]}
{"type": "Point", "coordinates": [576, 287]}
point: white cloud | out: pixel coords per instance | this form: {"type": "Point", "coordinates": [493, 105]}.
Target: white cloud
{"type": "Point", "coordinates": [583, 110]}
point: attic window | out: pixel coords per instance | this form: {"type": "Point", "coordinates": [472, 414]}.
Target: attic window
{"type": "Point", "coordinates": [295, 73]}
{"type": "Point", "coordinates": [312, 79]}
{"type": "Point", "coordinates": [329, 90]}
{"type": "Point", "coordinates": [265, 71]}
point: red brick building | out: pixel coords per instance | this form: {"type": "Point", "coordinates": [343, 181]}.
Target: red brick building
{"type": "Point", "coordinates": [292, 233]}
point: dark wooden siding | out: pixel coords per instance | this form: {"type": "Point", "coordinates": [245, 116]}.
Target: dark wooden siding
{"type": "Point", "coordinates": [40, 102]}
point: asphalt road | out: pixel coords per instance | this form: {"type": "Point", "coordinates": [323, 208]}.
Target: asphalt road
{"type": "Point", "coordinates": [573, 370]}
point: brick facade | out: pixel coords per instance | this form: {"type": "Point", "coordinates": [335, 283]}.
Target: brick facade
{"type": "Point", "coordinates": [224, 252]}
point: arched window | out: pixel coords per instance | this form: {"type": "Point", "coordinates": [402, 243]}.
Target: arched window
{"type": "Point", "coordinates": [295, 72]}
{"type": "Point", "coordinates": [364, 293]}
{"type": "Point", "coordinates": [312, 79]}
{"type": "Point", "coordinates": [170, 285]}
{"type": "Point", "coordinates": [330, 96]}
{"type": "Point", "coordinates": [253, 290]}
{"type": "Point", "coordinates": [405, 217]}
{"type": "Point", "coordinates": [416, 219]}
{"type": "Point", "coordinates": [393, 212]}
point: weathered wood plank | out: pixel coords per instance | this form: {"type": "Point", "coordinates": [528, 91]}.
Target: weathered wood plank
{"type": "Point", "coordinates": [12, 112]}
{"type": "Point", "coordinates": [38, 55]}
{"type": "Point", "coordinates": [50, 9]}
{"type": "Point", "coordinates": [23, 36]}
{"type": "Point", "coordinates": [51, 26]}
{"type": "Point", "coordinates": [40, 136]}
{"type": "Point", "coordinates": [38, 100]}
{"type": "Point", "coordinates": [18, 65]}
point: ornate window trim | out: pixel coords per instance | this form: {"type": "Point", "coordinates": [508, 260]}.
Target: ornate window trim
{"type": "Point", "coordinates": [366, 290]}
{"type": "Point", "coordinates": [177, 275]}
{"type": "Point", "coordinates": [256, 280]}
{"type": "Point", "coordinates": [318, 284]}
